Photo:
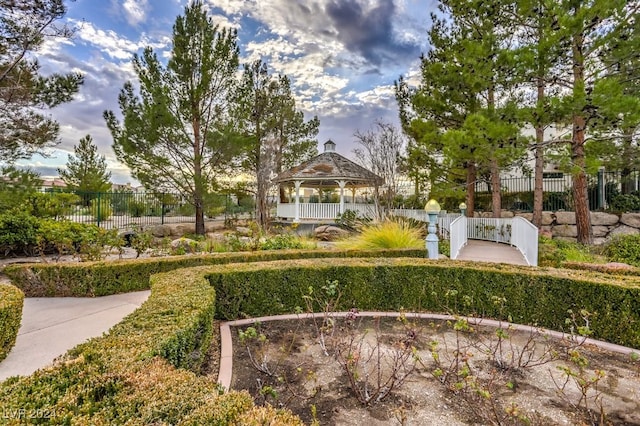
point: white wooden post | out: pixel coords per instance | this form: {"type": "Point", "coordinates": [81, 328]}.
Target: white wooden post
{"type": "Point", "coordinates": [297, 183]}
{"type": "Point", "coordinates": [342, 183]}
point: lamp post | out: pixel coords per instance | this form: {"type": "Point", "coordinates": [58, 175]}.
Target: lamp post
{"type": "Point", "coordinates": [432, 208]}
{"type": "Point", "coordinates": [463, 209]}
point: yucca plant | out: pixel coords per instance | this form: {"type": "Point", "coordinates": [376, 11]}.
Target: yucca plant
{"type": "Point", "coordinates": [388, 234]}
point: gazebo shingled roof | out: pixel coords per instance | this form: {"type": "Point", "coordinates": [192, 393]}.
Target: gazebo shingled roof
{"type": "Point", "coordinates": [326, 169]}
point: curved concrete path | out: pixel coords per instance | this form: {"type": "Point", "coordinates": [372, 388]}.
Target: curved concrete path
{"type": "Point", "coordinates": [53, 325]}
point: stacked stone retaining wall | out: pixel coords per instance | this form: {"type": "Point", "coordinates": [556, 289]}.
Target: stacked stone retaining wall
{"type": "Point", "coordinates": [562, 225]}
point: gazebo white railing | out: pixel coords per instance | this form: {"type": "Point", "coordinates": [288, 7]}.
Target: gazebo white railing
{"type": "Point", "coordinates": [322, 211]}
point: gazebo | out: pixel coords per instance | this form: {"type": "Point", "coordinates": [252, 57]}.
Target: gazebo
{"type": "Point", "coordinates": [328, 170]}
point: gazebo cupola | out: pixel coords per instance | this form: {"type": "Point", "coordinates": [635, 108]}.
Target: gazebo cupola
{"type": "Point", "coordinates": [329, 146]}
{"type": "Point", "coordinates": [325, 171]}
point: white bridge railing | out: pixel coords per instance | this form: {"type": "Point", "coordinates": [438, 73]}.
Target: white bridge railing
{"type": "Point", "coordinates": [458, 239]}
{"type": "Point", "coordinates": [524, 235]}
{"type": "Point", "coordinates": [516, 231]}
{"type": "Point", "coordinates": [489, 229]}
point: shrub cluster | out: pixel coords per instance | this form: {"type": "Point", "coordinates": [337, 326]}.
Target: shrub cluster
{"type": "Point", "coordinates": [101, 278]}
{"type": "Point", "coordinates": [24, 234]}
{"type": "Point", "coordinates": [143, 372]}
{"type": "Point", "coordinates": [624, 248]}
{"type": "Point", "coordinates": [556, 253]}
{"type": "Point", "coordinates": [625, 202]}
{"type": "Point", "coordinates": [11, 301]}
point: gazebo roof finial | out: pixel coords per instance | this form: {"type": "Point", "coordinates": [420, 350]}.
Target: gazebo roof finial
{"type": "Point", "coordinates": [329, 146]}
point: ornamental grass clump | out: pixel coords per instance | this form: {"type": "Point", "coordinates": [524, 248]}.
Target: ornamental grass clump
{"type": "Point", "coordinates": [386, 234]}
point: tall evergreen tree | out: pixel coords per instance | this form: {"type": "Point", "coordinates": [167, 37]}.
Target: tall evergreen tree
{"type": "Point", "coordinates": [616, 128]}
{"type": "Point", "coordinates": [176, 134]}
{"type": "Point", "coordinates": [462, 107]}
{"type": "Point", "coordinates": [537, 66]}
{"type": "Point", "coordinates": [587, 29]}
{"type": "Point", "coordinates": [86, 171]}
{"type": "Point", "coordinates": [274, 129]}
{"type": "Point", "coordinates": [24, 26]}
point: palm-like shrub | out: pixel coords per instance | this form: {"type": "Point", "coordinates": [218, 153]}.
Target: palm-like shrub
{"type": "Point", "coordinates": [388, 234]}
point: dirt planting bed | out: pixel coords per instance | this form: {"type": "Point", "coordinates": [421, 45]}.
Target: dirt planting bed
{"type": "Point", "coordinates": [378, 371]}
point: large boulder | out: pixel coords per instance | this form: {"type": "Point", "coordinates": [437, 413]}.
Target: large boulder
{"type": "Point", "coordinates": [178, 230]}
{"type": "Point", "coordinates": [601, 218]}
{"type": "Point", "coordinates": [186, 244]}
{"type": "Point", "coordinates": [600, 231]}
{"type": "Point", "coordinates": [624, 230]}
{"type": "Point", "coordinates": [565, 218]}
{"type": "Point", "coordinates": [631, 219]}
{"type": "Point", "coordinates": [547, 218]}
{"type": "Point", "coordinates": [160, 231]}
{"type": "Point", "coordinates": [565, 231]}
{"type": "Point", "coordinates": [214, 226]}
{"type": "Point", "coordinates": [243, 231]}
{"type": "Point", "coordinates": [330, 233]}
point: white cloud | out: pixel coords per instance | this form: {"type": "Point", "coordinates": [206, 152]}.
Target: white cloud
{"type": "Point", "coordinates": [115, 46]}
{"type": "Point", "coordinates": [135, 11]}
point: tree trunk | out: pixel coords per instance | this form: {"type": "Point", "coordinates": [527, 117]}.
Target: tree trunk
{"type": "Point", "coordinates": [580, 192]}
{"type": "Point", "coordinates": [198, 195]}
{"type": "Point", "coordinates": [262, 208]}
{"type": "Point", "coordinates": [199, 214]}
{"type": "Point", "coordinates": [470, 198]}
{"type": "Point", "coordinates": [538, 194]}
{"type": "Point", "coordinates": [496, 196]}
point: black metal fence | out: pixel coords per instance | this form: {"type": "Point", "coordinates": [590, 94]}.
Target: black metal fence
{"type": "Point", "coordinates": [606, 191]}
{"type": "Point", "coordinates": [130, 210]}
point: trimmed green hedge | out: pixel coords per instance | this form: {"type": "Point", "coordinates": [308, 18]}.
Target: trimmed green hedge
{"type": "Point", "coordinates": [11, 301]}
{"type": "Point", "coordinates": [142, 372]}
{"type": "Point", "coordinates": [533, 296]}
{"type": "Point", "coordinates": [88, 279]}
{"type": "Point", "coordinates": [145, 371]}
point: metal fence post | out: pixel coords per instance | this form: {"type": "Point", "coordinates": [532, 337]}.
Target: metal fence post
{"type": "Point", "coordinates": [601, 188]}
{"type": "Point", "coordinates": [98, 210]}
{"type": "Point", "coordinates": [162, 208]}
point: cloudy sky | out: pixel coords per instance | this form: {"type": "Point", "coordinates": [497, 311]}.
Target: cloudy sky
{"type": "Point", "coordinates": [341, 55]}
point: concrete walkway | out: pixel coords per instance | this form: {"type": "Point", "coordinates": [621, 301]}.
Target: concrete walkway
{"type": "Point", "coordinates": [487, 251]}
{"type": "Point", "coordinates": [53, 325]}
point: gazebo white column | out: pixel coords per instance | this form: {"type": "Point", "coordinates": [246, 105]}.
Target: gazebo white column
{"type": "Point", "coordinates": [297, 183]}
{"type": "Point", "coordinates": [342, 184]}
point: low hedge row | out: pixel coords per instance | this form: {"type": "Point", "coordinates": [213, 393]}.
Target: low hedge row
{"type": "Point", "coordinates": [143, 372]}
{"type": "Point", "coordinates": [11, 301]}
{"type": "Point", "coordinates": [519, 294]}
{"type": "Point", "coordinates": [88, 279]}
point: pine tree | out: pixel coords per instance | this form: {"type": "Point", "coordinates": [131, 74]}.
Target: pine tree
{"type": "Point", "coordinates": [86, 171]}
{"type": "Point", "coordinates": [176, 134]}
{"type": "Point", "coordinates": [463, 112]}
{"type": "Point", "coordinates": [587, 28]}
{"type": "Point", "coordinates": [24, 26]}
